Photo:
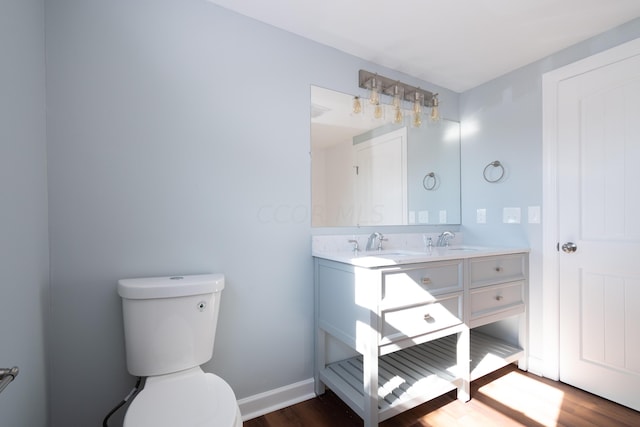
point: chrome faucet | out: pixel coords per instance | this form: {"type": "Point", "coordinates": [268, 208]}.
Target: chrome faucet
{"type": "Point", "coordinates": [443, 239]}
{"type": "Point", "coordinates": [355, 246]}
{"type": "Point", "coordinates": [372, 239]}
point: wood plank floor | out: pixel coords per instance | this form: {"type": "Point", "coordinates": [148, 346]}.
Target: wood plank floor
{"type": "Point", "coordinates": [507, 397]}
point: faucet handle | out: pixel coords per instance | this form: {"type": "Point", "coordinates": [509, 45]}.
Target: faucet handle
{"type": "Point", "coordinates": [356, 247]}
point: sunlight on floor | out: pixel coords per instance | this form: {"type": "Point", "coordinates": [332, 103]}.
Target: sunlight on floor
{"type": "Point", "coordinates": [542, 403]}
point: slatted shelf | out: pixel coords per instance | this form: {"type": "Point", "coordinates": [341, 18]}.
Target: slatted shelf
{"type": "Point", "coordinates": [415, 375]}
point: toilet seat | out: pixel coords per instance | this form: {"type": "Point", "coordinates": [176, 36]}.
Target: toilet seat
{"type": "Point", "coordinates": [190, 398]}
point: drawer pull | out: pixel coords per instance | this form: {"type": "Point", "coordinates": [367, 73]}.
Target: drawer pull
{"type": "Point", "coordinates": [426, 281]}
{"type": "Point", "coordinates": [499, 297]}
{"type": "Point", "coordinates": [429, 318]}
{"type": "Point", "coordinates": [499, 269]}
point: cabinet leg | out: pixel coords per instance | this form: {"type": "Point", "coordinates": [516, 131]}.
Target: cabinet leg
{"type": "Point", "coordinates": [370, 366]}
{"type": "Point", "coordinates": [464, 365]}
{"type": "Point", "coordinates": [320, 362]}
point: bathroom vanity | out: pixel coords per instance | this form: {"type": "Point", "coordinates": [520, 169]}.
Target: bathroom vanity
{"type": "Point", "coordinates": [406, 323]}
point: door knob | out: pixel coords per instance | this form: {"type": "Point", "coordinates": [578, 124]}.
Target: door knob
{"type": "Point", "coordinates": [569, 247]}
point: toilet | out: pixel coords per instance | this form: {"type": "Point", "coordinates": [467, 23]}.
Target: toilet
{"type": "Point", "coordinates": [169, 327]}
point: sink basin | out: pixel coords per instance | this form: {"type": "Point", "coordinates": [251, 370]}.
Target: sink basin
{"type": "Point", "coordinates": [391, 254]}
{"type": "Point", "coordinates": [462, 248]}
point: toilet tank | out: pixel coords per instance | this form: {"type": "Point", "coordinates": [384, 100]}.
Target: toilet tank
{"type": "Point", "coordinates": [169, 322]}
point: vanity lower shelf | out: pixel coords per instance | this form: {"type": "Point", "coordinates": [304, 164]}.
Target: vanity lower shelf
{"type": "Point", "coordinates": [415, 375]}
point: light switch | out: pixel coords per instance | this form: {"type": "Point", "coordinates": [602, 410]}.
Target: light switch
{"type": "Point", "coordinates": [481, 216]}
{"type": "Point", "coordinates": [443, 217]}
{"type": "Point", "coordinates": [511, 215]}
{"type": "Point", "coordinates": [412, 217]}
{"type": "Point", "coordinates": [423, 217]}
{"type": "Point", "coordinates": [534, 214]}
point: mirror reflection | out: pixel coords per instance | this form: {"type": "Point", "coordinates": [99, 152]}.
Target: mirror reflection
{"type": "Point", "coordinates": [369, 171]}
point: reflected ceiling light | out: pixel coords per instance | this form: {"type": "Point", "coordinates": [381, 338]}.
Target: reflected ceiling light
{"type": "Point", "coordinates": [398, 92]}
{"type": "Point", "coordinates": [357, 105]}
{"type": "Point", "coordinates": [378, 112]}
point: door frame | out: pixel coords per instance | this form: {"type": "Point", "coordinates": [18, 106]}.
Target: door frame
{"type": "Point", "coordinates": [550, 256]}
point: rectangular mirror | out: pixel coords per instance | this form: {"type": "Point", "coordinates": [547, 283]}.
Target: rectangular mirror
{"type": "Point", "coordinates": [369, 171]}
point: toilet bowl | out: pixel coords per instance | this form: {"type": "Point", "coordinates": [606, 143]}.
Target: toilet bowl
{"type": "Point", "coordinates": [169, 325]}
{"type": "Point", "coordinates": [186, 398]}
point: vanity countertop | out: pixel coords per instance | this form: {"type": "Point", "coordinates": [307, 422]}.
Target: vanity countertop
{"type": "Point", "coordinates": [391, 257]}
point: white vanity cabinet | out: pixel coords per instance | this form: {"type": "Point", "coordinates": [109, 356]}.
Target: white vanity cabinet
{"type": "Point", "coordinates": [409, 327]}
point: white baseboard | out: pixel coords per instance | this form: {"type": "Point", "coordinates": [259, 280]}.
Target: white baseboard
{"type": "Point", "coordinates": [272, 400]}
{"type": "Point", "coordinates": [536, 366]}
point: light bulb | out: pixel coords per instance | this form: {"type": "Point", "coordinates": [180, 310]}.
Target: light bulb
{"type": "Point", "coordinates": [374, 96]}
{"type": "Point", "coordinates": [435, 110]}
{"type": "Point", "coordinates": [417, 110]}
{"type": "Point", "coordinates": [378, 111]}
{"type": "Point", "coordinates": [397, 115]}
{"type": "Point", "coordinates": [357, 105]}
{"type": "Point", "coordinates": [417, 119]}
{"type": "Point", "coordinates": [397, 96]}
{"type": "Point", "coordinates": [397, 105]}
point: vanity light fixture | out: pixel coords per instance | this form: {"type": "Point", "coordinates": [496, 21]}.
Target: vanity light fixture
{"type": "Point", "coordinates": [378, 85]}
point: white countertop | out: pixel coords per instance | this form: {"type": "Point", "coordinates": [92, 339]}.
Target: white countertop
{"type": "Point", "coordinates": [386, 258]}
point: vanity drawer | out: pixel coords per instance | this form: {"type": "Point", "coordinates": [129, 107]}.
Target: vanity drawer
{"type": "Point", "coordinates": [421, 319]}
{"type": "Point", "coordinates": [411, 285]}
{"type": "Point", "coordinates": [493, 299]}
{"type": "Point", "coordinates": [498, 269]}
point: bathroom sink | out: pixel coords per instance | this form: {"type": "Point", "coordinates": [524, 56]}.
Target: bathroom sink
{"type": "Point", "coordinates": [394, 254]}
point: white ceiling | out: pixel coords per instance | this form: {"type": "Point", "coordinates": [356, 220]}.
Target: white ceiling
{"type": "Point", "coordinates": [456, 44]}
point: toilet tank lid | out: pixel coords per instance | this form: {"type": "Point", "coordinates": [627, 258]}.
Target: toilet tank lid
{"type": "Point", "coordinates": [170, 286]}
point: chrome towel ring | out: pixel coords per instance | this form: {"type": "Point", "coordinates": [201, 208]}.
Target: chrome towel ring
{"type": "Point", "coordinates": [429, 181]}
{"type": "Point", "coordinates": [7, 375]}
{"type": "Point", "coordinates": [494, 164]}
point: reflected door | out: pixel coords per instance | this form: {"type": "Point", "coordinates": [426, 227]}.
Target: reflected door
{"type": "Point", "coordinates": [381, 179]}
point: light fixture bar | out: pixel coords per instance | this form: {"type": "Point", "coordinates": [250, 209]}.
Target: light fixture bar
{"type": "Point", "coordinates": [365, 78]}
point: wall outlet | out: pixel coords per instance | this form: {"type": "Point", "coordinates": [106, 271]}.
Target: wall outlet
{"type": "Point", "coordinates": [412, 217]}
{"type": "Point", "coordinates": [511, 215]}
{"type": "Point", "coordinates": [423, 217]}
{"type": "Point", "coordinates": [443, 217]}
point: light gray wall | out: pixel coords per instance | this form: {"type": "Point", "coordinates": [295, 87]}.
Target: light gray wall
{"type": "Point", "coordinates": [178, 137]}
{"type": "Point", "coordinates": [24, 262]}
{"type": "Point", "coordinates": [178, 140]}
{"type": "Point", "coordinates": [503, 121]}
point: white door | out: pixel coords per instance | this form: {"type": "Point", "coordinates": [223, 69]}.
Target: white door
{"type": "Point", "coordinates": [381, 181]}
{"type": "Point", "coordinates": [599, 212]}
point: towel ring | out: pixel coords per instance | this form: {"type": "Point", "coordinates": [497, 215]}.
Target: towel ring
{"type": "Point", "coordinates": [429, 181]}
{"type": "Point", "coordinates": [495, 164]}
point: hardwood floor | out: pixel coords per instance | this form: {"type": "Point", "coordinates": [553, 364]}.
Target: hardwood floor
{"type": "Point", "coordinates": [507, 397]}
